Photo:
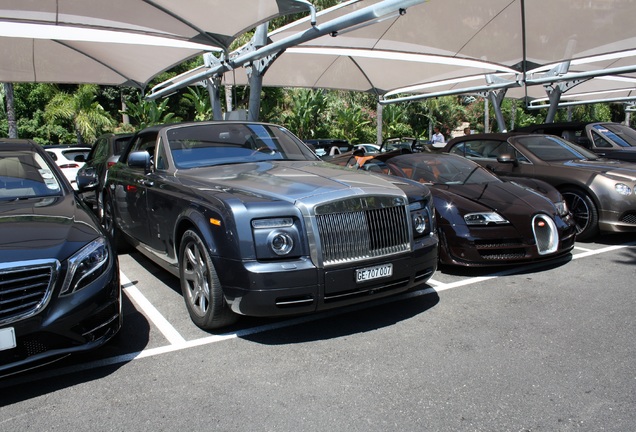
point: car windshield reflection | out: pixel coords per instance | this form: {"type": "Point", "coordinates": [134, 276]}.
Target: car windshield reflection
{"type": "Point", "coordinates": [25, 175]}
{"type": "Point", "coordinates": [622, 135]}
{"type": "Point", "coordinates": [551, 148]}
{"type": "Point", "coordinates": [441, 169]}
{"type": "Point", "coordinates": [208, 145]}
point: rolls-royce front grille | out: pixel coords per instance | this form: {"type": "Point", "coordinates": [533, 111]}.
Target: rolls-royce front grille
{"type": "Point", "coordinates": [24, 290]}
{"type": "Point", "coordinates": [363, 234]}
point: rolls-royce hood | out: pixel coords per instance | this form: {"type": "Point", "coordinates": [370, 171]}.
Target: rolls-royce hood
{"type": "Point", "coordinates": [44, 228]}
{"type": "Point", "coordinates": [288, 180]}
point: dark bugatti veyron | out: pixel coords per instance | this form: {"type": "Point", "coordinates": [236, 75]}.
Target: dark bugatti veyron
{"type": "Point", "coordinates": [482, 219]}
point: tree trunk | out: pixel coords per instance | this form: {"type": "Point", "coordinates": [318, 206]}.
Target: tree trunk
{"type": "Point", "coordinates": [8, 95]}
{"type": "Point", "coordinates": [228, 98]}
{"type": "Point", "coordinates": [125, 119]}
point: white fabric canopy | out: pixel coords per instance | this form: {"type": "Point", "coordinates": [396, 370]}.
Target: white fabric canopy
{"type": "Point", "coordinates": [450, 45]}
{"type": "Point", "coordinates": [120, 42]}
{"type": "Point", "coordinates": [437, 46]}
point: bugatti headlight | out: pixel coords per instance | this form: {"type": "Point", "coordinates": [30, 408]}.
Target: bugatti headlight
{"type": "Point", "coordinates": [562, 208]}
{"type": "Point", "coordinates": [486, 218]}
{"type": "Point", "coordinates": [623, 189]}
{"type": "Point", "coordinates": [276, 238]}
{"type": "Point", "coordinates": [86, 266]}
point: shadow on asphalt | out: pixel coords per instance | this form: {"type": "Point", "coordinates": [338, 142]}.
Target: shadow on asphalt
{"type": "Point", "coordinates": [346, 323]}
{"type": "Point", "coordinates": [610, 239]}
{"type": "Point", "coordinates": [133, 337]}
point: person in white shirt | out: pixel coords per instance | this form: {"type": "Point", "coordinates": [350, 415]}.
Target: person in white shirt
{"type": "Point", "coordinates": [438, 139]}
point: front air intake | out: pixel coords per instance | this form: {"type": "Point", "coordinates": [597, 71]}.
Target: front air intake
{"type": "Point", "coordinates": [546, 234]}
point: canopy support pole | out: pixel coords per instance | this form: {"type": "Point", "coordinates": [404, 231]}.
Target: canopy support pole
{"type": "Point", "coordinates": [379, 125]}
{"type": "Point", "coordinates": [496, 97]}
{"type": "Point", "coordinates": [255, 71]}
{"type": "Point", "coordinates": [213, 84]}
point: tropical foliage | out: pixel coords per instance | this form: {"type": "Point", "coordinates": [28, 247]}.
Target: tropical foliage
{"type": "Point", "coordinates": [80, 111]}
{"type": "Point", "coordinates": [70, 113]}
{"type": "Point", "coordinates": [77, 114]}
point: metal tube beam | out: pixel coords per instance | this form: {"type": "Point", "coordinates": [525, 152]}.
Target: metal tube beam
{"type": "Point", "coordinates": [580, 75]}
{"type": "Point", "coordinates": [586, 102]}
{"type": "Point", "coordinates": [364, 15]}
{"type": "Point", "coordinates": [466, 90]}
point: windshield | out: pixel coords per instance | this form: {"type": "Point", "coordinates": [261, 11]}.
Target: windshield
{"type": "Point", "coordinates": [391, 145]}
{"type": "Point", "coordinates": [441, 169]}
{"type": "Point", "coordinates": [622, 135]}
{"type": "Point", "coordinates": [25, 174]}
{"type": "Point", "coordinates": [551, 148]}
{"type": "Point", "coordinates": [217, 144]}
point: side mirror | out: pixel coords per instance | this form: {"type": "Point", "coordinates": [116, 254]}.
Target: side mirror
{"type": "Point", "coordinates": [86, 184]}
{"type": "Point", "coordinates": [86, 179]}
{"type": "Point", "coordinates": [139, 159]}
{"type": "Point", "coordinates": [507, 158]}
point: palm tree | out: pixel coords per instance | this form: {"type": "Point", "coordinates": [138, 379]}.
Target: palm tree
{"type": "Point", "coordinates": [144, 113]}
{"type": "Point", "coordinates": [81, 108]}
{"type": "Point", "coordinates": [10, 110]}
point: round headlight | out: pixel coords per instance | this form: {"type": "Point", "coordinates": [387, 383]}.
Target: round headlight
{"type": "Point", "coordinates": [623, 189]}
{"type": "Point", "coordinates": [419, 223]}
{"type": "Point", "coordinates": [281, 243]}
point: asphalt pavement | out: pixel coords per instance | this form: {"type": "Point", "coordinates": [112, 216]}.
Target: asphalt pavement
{"type": "Point", "coordinates": [535, 348]}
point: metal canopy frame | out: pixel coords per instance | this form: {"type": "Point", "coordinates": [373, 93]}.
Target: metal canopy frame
{"type": "Point", "coordinates": [122, 42]}
{"type": "Point", "coordinates": [250, 56]}
{"type": "Point", "coordinates": [558, 81]}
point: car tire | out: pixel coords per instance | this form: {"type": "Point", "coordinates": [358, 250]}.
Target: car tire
{"type": "Point", "coordinates": [200, 285]}
{"type": "Point", "coordinates": [584, 212]}
{"type": "Point", "coordinates": [108, 222]}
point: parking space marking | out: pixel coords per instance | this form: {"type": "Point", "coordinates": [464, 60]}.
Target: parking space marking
{"type": "Point", "coordinates": [169, 332]}
{"type": "Point", "coordinates": [583, 249]}
{"type": "Point", "coordinates": [177, 342]}
{"type": "Point", "coordinates": [600, 251]}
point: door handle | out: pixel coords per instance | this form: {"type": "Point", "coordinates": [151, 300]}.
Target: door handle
{"type": "Point", "coordinates": [144, 182]}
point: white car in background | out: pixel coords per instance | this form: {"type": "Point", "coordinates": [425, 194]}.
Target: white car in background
{"type": "Point", "coordinates": [69, 158]}
{"type": "Point", "coordinates": [368, 148]}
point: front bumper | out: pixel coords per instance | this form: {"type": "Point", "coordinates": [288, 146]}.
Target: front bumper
{"type": "Point", "coordinates": [497, 246]}
{"type": "Point", "coordinates": [275, 289]}
{"type": "Point", "coordinates": [77, 322]}
{"type": "Point", "coordinates": [611, 221]}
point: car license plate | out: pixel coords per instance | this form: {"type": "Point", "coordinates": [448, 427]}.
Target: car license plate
{"type": "Point", "coordinates": [7, 338]}
{"type": "Point", "coordinates": [375, 272]}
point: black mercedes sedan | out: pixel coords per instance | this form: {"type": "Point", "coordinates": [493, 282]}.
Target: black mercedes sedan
{"type": "Point", "coordinates": [59, 277]}
{"type": "Point", "coordinates": [254, 223]}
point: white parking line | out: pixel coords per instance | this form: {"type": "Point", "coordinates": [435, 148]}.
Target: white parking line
{"type": "Point", "coordinates": [600, 251]}
{"type": "Point", "coordinates": [177, 342]}
{"type": "Point", "coordinates": [581, 248]}
{"type": "Point", "coordinates": [151, 312]}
